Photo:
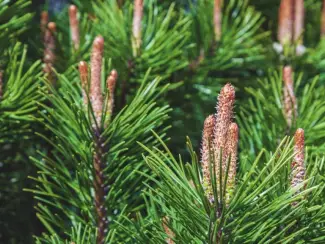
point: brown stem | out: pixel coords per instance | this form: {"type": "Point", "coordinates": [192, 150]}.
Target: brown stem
{"type": "Point", "coordinates": [120, 3]}
{"type": "Point", "coordinates": [99, 186]}
{"type": "Point", "coordinates": [322, 31]}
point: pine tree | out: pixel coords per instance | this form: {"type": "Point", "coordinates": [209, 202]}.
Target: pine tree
{"type": "Point", "coordinates": [109, 107]}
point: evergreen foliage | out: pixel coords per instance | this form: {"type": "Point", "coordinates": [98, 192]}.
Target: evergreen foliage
{"type": "Point", "coordinates": [111, 152]}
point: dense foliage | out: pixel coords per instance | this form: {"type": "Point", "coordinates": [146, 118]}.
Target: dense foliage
{"type": "Point", "coordinates": [102, 108]}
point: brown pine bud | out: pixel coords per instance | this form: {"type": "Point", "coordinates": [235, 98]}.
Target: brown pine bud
{"type": "Point", "coordinates": [49, 50]}
{"type": "Point", "coordinates": [44, 21]}
{"type": "Point", "coordinates": [83, 72]}
{"type": "Point", "coordinates": [231, 149]}
{"type": "Point", "coordinates": [74, 26]}
{"type": "Point", "coordinates": [299, 17]}
{"type": "Point", "coordinates": [224, 116]}
{"type": "Point", "coordinates": [322, 31]}
{"type": "Point", "coordinates": [290, 102]}
{"type": "Point", "coordinates": [168, 231]}
{"type": "Point", "coordinates": [225, 106]}
{"type": "Point", "coordinates": [96, 96]}
{"type": "Point", "coordinates": [111, 82]}
{"type": "Point", "coordinates": [206, 154]}
{"type": "Point", "coordinates": [285, 25]}
{"type": "Point", "coordinates": [136, 27]}
{"type": "Point", "coordinates": [52, 27]}
{"type": "Point", "coordinates": [298, 170]}
{"type": "Point", "coordinates": [217, 19]}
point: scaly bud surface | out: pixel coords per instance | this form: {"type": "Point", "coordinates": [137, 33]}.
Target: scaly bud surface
{"type": "Point", "coordinates": [96, 96]}
{"type": "Point", "coordinates": [231, 149]}
{"type": "Point", "coordinates": [298, 170]}
{"type": "Point", "coordinates": [83, 72]}
{"type": "Point", "coordinates": [289, 98]}
{"type": "Point", "coordinates": [207, 153]}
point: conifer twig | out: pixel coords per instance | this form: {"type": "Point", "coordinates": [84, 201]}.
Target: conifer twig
{"type": "Point", "coordinates": [49, 50]}
{"type": "Point", "coordinates": [285, 25]}
{"type": "Point", "coordinates": [99, 185]}
{"type": "Point", "coordinates": [217, 18]}
{"type": "Point", "coordinates": [289, 98]}
{"type": "Point", "coordinates": [298, 166]}
{"type": "Point", "coordinates": [74, 26]}
{"type": "Point", "coordinates": [95, 93]}
{"type": "Point", "coordinates": [136, 26]}
{"type": "Point", "coordinates": [96, 100]}
{"type": "Point", "coordinates": [83, 72]}
{"type": "Point", "coordinates": [206, 152]}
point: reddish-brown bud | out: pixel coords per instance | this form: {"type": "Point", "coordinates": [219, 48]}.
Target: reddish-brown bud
{"type": "Point", "coordinates": [231, 151]}
{"type": "Point", "coordinates": [96, 96]}
{"type": "Point", "coordinates": [225, 106]}
{"type": "Point", "coordinates": [298, 165]}
{"type": "Point", "coordinates": [206, 154]}
{"type": "Point", "coordinates": [52, 27]}
{"type": "Point", "coordinates": [83, 72]}
{"type": "Point", "coordinates": [299, 16]}
{"type": "Point", "coordinates": [44, 21]}
{"type": "Point", "coordinates": [285, 24]}
{"type": "Point", "coordinates": [224, 117]}
{"type": "Point", "coordinates": [136, 26]}
{"type": "Point", "coordinates": [74, 26]}
{"type": "Point", "coordinates": [49, 50]}
{"type": "Point", "coordinates": [110, 82]}
{"type": "Point", "coordinates": [289, 98]}
{"type": "Point", "coordinates": [217, 19]}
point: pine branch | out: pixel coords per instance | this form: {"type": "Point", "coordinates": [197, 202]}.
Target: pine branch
{"type": "Point", "coordinates": [91, 177]}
